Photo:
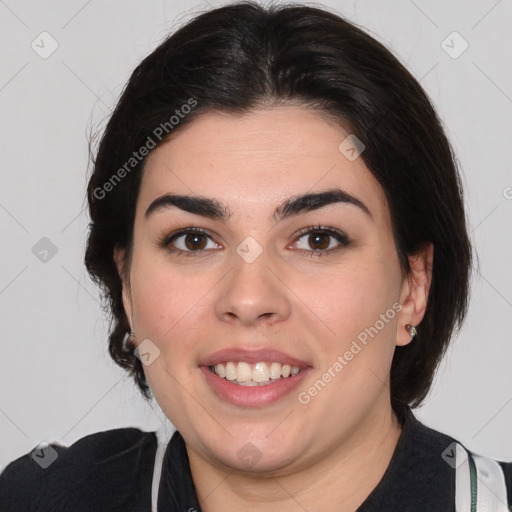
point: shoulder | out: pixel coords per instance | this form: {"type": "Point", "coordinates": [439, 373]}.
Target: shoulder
{"type": "Point", "coordinates": [108, 470]}
{"type": "Point", "coordinates": [492, 477]}
{"type": "Point", "coordinates": [427, 459]}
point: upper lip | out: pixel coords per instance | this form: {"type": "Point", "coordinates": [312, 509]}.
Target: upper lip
{"type": "Point", "coordinates": [251, 356]}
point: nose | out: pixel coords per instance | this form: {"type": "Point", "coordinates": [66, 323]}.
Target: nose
{"type": "Point", "coordinates": [252, 294]}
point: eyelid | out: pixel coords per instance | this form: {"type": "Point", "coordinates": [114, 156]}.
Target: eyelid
{"type": "Point", "coordinates": [340, 236]}
{"type": "Point", "coordinates": [184, 231]}
{"type": "Point", "coordinates": [166, 240]}
{"type": "Point", "coordinates": [323, 229]}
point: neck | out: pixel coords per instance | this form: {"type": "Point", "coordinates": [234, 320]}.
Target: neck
{"type": "Point", "coordinates": [340, 481]}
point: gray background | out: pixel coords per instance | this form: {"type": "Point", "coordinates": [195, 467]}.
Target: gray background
{"type": "Point", "coordinates": [57, 382]}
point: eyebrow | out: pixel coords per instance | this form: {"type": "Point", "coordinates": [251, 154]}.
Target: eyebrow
{"type": "Point", "coordinates": [208, 207]}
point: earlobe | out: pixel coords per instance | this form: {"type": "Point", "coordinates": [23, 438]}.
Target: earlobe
{"type": "Point", "coordinates": [414, 294]}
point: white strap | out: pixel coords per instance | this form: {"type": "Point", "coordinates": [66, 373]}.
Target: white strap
{"type": "Point", "coordinates": [157, 469]}
{"type": "Point", "coordinates": [492, 489]}
{"type": "Point", "coordinates": [462, 479]}
{"type": "Point", "coordinates": [491, 486]}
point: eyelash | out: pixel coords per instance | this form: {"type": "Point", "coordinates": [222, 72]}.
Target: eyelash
{"type": "Point", "coordinates": [338, 235]}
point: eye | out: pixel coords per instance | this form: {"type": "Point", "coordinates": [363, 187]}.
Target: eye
{"type": "Point", "coordinates": [189, 242]}
{"type": "Point", "coordinates": [315, 240]}
{"type": "Point", "coordinates": [319, 240]}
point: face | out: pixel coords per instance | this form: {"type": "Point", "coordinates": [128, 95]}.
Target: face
{"type": "Point", "coordinates": [261, 284]}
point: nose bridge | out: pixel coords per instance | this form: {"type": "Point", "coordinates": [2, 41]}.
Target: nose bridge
{"type": "Point", "coordinates": [251, 291]}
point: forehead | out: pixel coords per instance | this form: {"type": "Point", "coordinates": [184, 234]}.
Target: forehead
{"type": "Point", "coordinates": [263, 157]}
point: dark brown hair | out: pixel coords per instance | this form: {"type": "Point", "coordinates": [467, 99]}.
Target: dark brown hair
{"type": "Point", "coordinates": [244, 56]}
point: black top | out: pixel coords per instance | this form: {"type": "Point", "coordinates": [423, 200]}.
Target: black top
{"type": "Point", "coordinates": [113, 471]}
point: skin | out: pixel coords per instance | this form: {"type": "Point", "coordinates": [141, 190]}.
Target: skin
{"type": "Point", "coordinates": [327, 454]}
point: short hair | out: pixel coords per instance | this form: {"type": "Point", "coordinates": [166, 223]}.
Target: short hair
{"type": "Point", "coordinates": [244, 56]}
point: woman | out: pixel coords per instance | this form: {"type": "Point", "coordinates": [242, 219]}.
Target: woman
{"type": "Point", "coordinates": [277, 221]}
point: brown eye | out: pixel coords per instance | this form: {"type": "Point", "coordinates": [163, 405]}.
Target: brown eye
{"type": "Point", "coordinates": [320, 240]}
{"type": "Point", "coordinates": [194, 241]}
{"type": "Point", "coordinates": [191, 241]}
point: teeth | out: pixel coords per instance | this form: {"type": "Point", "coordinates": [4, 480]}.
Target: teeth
{"type": "Point", "coordinates": [243, 372]}
{"type": "Point", "coordinates": [258, 374]}
{"type": "Point", "coordinates": [275, 371]}
{"type": "Point", "coordinates": [219, 370]}
{"type": "Point", "coordinates": [230, 371]}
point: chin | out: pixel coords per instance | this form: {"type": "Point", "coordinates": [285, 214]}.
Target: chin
{"type": "Point", "coordinates": [251, 459]}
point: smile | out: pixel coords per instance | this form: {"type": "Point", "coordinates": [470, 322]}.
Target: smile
{"type": "Point", "coordinates": [258, 374]}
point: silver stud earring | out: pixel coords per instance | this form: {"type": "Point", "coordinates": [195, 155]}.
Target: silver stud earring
{"type": "Point", "coordinates": [412, 330]}
{"type": "Point", "coordinates": [128, 339]}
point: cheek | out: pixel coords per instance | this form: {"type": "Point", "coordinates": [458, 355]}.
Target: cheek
{"type": "Point", "coordinates": [358, 304]}
{"type": "Point", "coordinates": [354, 296]}
{"type": "Point", "coordinates": [166, 300]}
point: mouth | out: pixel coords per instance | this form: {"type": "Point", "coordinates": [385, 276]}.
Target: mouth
{"type": "Point", "coordinates": [262, 373]}
{"type": "Point", "coordinates": [253, 378]}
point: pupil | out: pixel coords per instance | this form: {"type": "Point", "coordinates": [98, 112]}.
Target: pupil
{"type": "Point", "coordinates": [318, 239]}
{"type": "Point", "coordinates": [194, 241]}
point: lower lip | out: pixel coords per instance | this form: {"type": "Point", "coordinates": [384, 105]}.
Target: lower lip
{"type": "Point", "coordinates": [252, 396]}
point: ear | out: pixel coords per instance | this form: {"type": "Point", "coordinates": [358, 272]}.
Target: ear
{"type": "Point", "coordinates": [414, 293]}
{"type": "Point", "coordinates": [119, 258]}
